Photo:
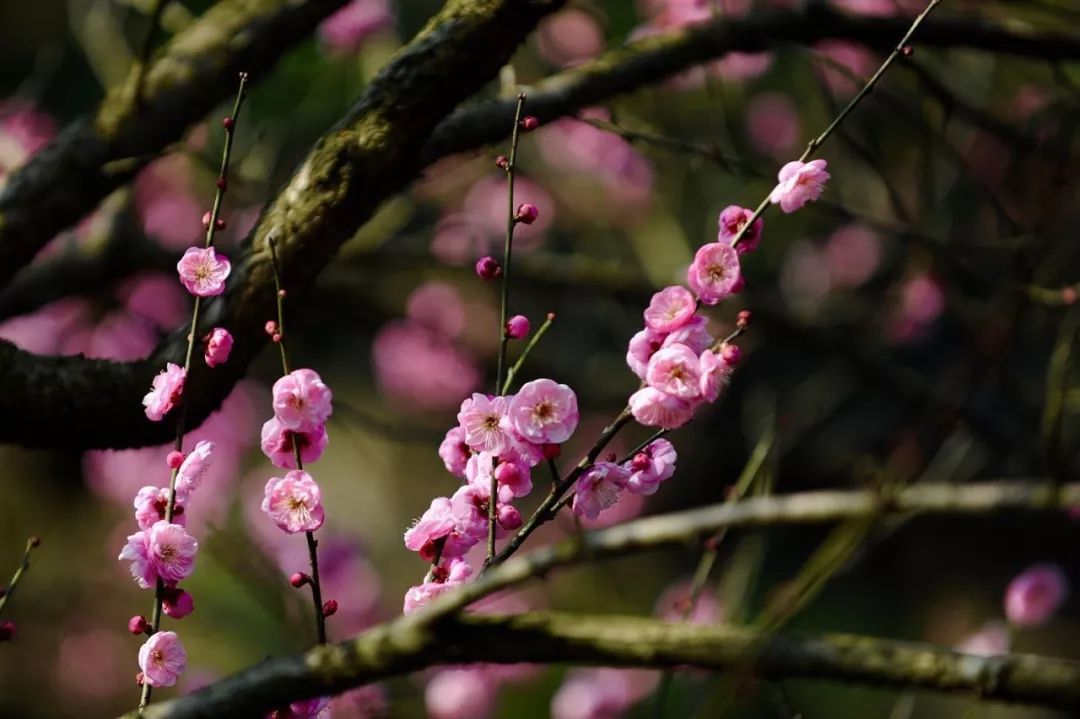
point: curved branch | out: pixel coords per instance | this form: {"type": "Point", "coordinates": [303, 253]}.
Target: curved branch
{"type": "Point", "coordinates": [405, 646]}
{"type": "Point", "coordinates": [93, 156]}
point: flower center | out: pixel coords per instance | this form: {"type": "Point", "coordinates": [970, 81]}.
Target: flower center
{"type": "Point", "coordinates": [716, 272]}
{"type": "Point", "coordinates": [491, 422]}
{"type": "Point", "coordinates": [297, 505]}
{"type": "Point", "coordinates": [544, 411]}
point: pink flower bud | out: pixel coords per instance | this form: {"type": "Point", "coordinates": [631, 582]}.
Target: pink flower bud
{"type": "Point", "coordinates": [177, 603]}
{"type": "Point", "coordinates": [174, 459]}
{"type": "Point", "coordinates": [1068, 295]}
{"type": "Point", "coordinates": [276, 338]}
{"type": "Point", "coordinates": [731, 354]}
{"type": "Point", "coordinates": [907, 51]}
{"type": "Point", "coordinates": [137, 624]}
{"type": "Point", "coordinates": [517, 327]}
{"type": "Point", "coordinates": [502, 162]}
{"type": "Point", "coordinates": [526, 213]}
{"type": "Point", "coordinates": [299, 579]}
{"type": "Point", "coordinates": [281, 294]}
{"type": "Point", "coordinates": [329, 608]}
{"type": "Point", "coordinates": [509, 517]}
{"type": "Point", "coordinates": [744, 319]}
{"type": "Point", "coordinates": [220, 224]}
{"type": "Point", "coordinates": [222, 184]}
{"type": "Point", "coordinates": [529, 123]}
{"type": "Point", "coordinates": [218, 346]}
{"type": "Point", "coordinates": [488, 268]}
{"type": "Point", "coordinates": [270, 327]}
{"type": "Point", "coordinates": [640, 462]}
{"type": "Point", "coordinates": [228, 123]}
{"type": "Point", "coordinates": [1035, 594]}
{"type": "Point", "coordinates": [7, 631]}
{"type": "Point", "coordinates": [139, 678]}
{"type": "Point", "coordinates": [507, 473]}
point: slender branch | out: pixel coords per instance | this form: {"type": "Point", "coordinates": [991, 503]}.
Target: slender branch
{"type": "Point", "coordinates": [31, 544]}
{"type": "Point", "coordinates": [405, 645]}
{"type": "Point", "coordinates": [540, 332]}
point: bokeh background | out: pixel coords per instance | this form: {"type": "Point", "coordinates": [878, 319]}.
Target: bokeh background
{"type": "Point", "coordinates": [893, 341]}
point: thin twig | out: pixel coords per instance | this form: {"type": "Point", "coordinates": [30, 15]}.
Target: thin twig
{"type": "Point", "coordinates": [31, 545]}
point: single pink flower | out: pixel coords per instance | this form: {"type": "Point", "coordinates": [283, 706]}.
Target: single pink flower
{"type": "Point", "coordinates": [568, 37]}
{"type": "Point", "coordinates": [150, 505]}
{"type": "Point", "coordinates": [653, 408]}
{"type": "Point", "coordinates": [715, 373]}
{"type": "Point", "coordinates": [650, 467]}
{"type": "Point", "coordinates": [670, 309]}
{"type": "Point", "coordinates": [203, 271]}
{"type": "Point", "coordinates": [167, 389]}
{"type": "Point", "coordinates": [515, 475]}
{"type": "Point", "coordinates": [677, 604]}
{"type": "Point", "coordinates": [444, 577]}
{"type": "Point", "coordinates": [193, 468]}
{"type": "Point", "coordinates": [694, 334]}
{"type": "Point", "coordinates": [544, 412]}
{"type": "Point", "coordinates": [714, 274]}
{"type": "Point", "coordinates": [302, 401]}
{"type": "Point", "coordinates": [731, 221]}
{"type": "Point", "coordinates": [1035, 594]}
{"type": "Point", "coordinates": [218, 346]}
{"type": "Point", "coordinates": [438, 307]}
{"type": "Point", "coordinates": [172, 551]}
{"type": "Point", "coordinates": [991, 640]}
{"type": "Point", "coordinates": [772, 124]}
{"type": "Point", "coordinates": [441, 525]}
{"type": "Point", "coordinates": [278, 443]}
{"type": "Point", "coordinates": [454, 452]}
{"type": "Point", "coordinates": [469, 505]}
{"type": "Point", "coordinates": [643, 346]}
{"type": "Point", "coordinates": [800, 182]}
{"type": "Point", "coordinates": [675, 370]}
{"type": "Point", "coordinates": [294, 502]}
{"type": "Point", "coordinates": [162, 659]}
{"type": "Point", "coordinates": [346, 30]}
{"type": "Point", "coordinates": [137, 553]}
{"type": "Point", "coordinates": [599, 489]}
{"type": "Point", "coordinates": [481, 417]}
{"type": "Point", "coordinates": [465, 693]}
{"type": "Point", "coordinates": [177, 603]}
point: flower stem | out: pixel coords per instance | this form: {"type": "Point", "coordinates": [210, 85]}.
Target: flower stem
{"type": "Point", "coordinates": [819, 140]}
{"type": "Point", "coordinates": [504, 337]}
{"type": "Point", "coordinates": [170, 506]}
{"type": "Point", "coordinates": [312, 543]}
{"type": "Point", "coordinates": [23, 566]}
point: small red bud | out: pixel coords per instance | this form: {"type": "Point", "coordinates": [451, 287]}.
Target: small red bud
{"type": "Point", "coordinates": [7, 631]}
{"type": "Point", "coordinates": [526, 213]}
{"type": "Point", "coordinates": [488, 268]}
{"type": "Point", "coordinates": [1068, 295]}
{"type": "Point", "coordinates": [220, 224]}
{"type": "Point", "coordinates": [228, 123]}
{"type": "Point", "coordinates": [502, 162]}
{"type": "Point", "coordinates": [517, 327]}
{"type": "Point", "coordinates": [137, 624]}
{"type": "Point", "coordinates": [551, 451]}
{"type": "Point", "coordinates": [907, 51]}
{"type": "Point", "coordinates": [276, 338]}
{"type": "Point", "coordinates": [206, 220]}
{"type": "Point", "coordinates": [281, 294]}
{"type": "Point", "coordinates": [174, 459]}
{"type": "Point", "coordinates": [329, 608]}
{"type": "Point", "coordinates": [270, 327]}
{"type": "Point", "coordinates": [611, 457]}
{"type": "Point", "coordinates": [139, 678]}
{"type": "Point", "coordinates": [509, 517]}
{"type": "Point", "coordinates": [35, 542]}
{"type": "Point", "coordinates": [550, 316]}
{"type": "Point", "coordinates": [299, 579]}
{"type": "Point", "coordinates": [743, 320]}
{"type": "Point", "coordinates": [529, 123]}
{"type": "Point", "coordinates": [731, 354]}
{"type": "Point", "coordinates": [222, 184]}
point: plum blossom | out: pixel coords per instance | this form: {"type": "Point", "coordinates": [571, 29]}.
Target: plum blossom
{"type": "Point", "coordinates": [599, 489]}
{"type": "Point", "coordinates": [544, 412]}
{"type": "Point", "coordinates": [602, 693]}
{"type": "Point", "coordinates": [731, 221]}
{"type": "Point", "coordinates": [162, 659]}
{"type": "Point", "coordinates": [150, 504]}
{"type": "Point", "coordinates": [137, 553]}
{"type": "Point", "coordinates": [167, 388]}
{"type": "Point", "coordinates": [715, 273]}
{"type": "Point", "coordinates": [991, 640]}
{"type": "Point", "coordinates": [675, 371]}
{"type": "Point", "coordinates": [443, 578]}
{"type": "Point", "coordinates": [455, 452]}
{"type": "Point", "coordinates": [218, 346]}
{"type": "Point", "coordinates": [346, 30]}
{"type": "Point", "coordinates": [193, 468]}
{"type": "Point", "coordinates": [715, 372]}
{"type": "Point", "coordinates": [458, 532]}
{"type": "Point", "coordinates": [670, 309]}
{"type": "Point", "coordinates": [279, 443]}
{"type": "Point", "coordinates": [460, 693]}
{"type": "Point", "coordinates": [481, 417]}
{"type": "Point", "coordinates": [294, 502]}
{"type": "Point", "coordinates": [643, 346]}
{"type": "Point", "coordinates": [171, 551]}
{"type": "Point", "coordinates": [694, 334]}
{"type": "Point", "coordinates": [800, 182]}
{"type": "Point", "coordinates": [1035, 594]}
{"type": "Point", "coordinates": [653, 408]}
{"type": "Point", "coordinates": [650, 467]}
{"type": "Point", "coordinates": [203, 271]}
{"type": "Point", "coordinates": [302, 401]}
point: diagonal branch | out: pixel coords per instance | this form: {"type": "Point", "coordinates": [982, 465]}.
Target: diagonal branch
{"type": "Point", "coordinates": [95, 155]}
{"type": "Point", "coordinates": [405, 646]}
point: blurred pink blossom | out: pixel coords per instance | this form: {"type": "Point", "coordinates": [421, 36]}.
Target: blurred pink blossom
{"type": "Point", "coordinates": [460, 693]}
{"type": "Point", "coordinates": [859, 62]}
{"type": "Point", "coordinates": [366, 702]}
{"type": "Point", "coordinates": [1035, 595]}
{"type": "Point", "coordinates": [742, 66]}
{"type": "Point", "coordinates": [569, 36]}
{"type": "Point", "coordinates": [421, 369]}
{"type": "Point", "coordinates": [163, 197]}
{"type": "Point", "coordinates": [674, 605]}
{"type": "Point", "coordinates": [23, 131]}
{"type": "Point", "coordinates": [805, 275]}
{"type": "Point", "coordinates": [772, 124]}
{"type": "Point", "coordinates": [922, 300]}
{"type": "Point", "coordinates": [854, 253]}
{"type": "Point", "coordinates": [45, 330]}
{"type": "Point", "coordinates": [602, 693]}
{"type": "Point", "coordinates": [992, 639]}
{"type": "Point", "coordinates": [438, 307]}
{"type": "Point", "coordinates": [92, 665]}
{"type": "Point", "coordinates": [485, 207]}
{"type": "Point", "coordinates": [347, 29]}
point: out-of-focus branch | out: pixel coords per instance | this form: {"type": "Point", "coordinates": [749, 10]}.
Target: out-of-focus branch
{"type": "Point", "coordinates": [95, 155]}
{"type": "Point", "coordinates": [406, 645]}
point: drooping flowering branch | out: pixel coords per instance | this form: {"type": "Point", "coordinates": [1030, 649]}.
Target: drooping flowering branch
{"type": "Point", "coordinates": [7, 628]}
{"type": "Point", "coordinates": [162, 553]}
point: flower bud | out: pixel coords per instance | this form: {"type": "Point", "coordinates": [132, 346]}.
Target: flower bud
{"type": "Point", "coordinates": [517, 327]}
{"type": "Point", "coordinates": [270, 327]}
{"type": "Point", "coordinates": [907, 51]}
{"type": "Point", "coordinates": [137, 624]}
{"type": "Point", "coordinates": [177, 603]}
{"type": "Point", "coordinates": [329, 608]}
{"type": "Point", "coordinates": [743, 320]}
{"type": "Point", "coordinates": [228, 123]}
{"type": "Point", "coordinates": [529, 123]}
{"type": "Point", "coordinates": [509, 517]}
{"type": "Point", "coordinates": [526, 213]}
{"type": "Point", "coordinates": [174, 459]}
{"type": "Point", "coordinates": [488, 268]}
{"type": "Point", "coordinates": [731, 354]}
{"type": "Point", "coordinates": [7, 631]}
{"type": "Point", "coordinates": [507, 473]}
{"type": "Point", "coordinates": [502, 162]}
{"type": "Point", "coordinates": [35, 542]}
{"type": "Point", "coordinates": [139, 678]}
{"type": "Point", "coordinates": [299, 579]}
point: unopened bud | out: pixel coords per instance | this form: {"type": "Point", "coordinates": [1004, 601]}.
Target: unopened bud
{"type": "Point", "coordinates": [329, 608]}
{"type": "Point", "coordinates": [174, 459]}
{"type": "Point", "coordinates": [299, 579]}
{"type": "Point", "coordinates": [270, 327]}
{"type": "Point", "coordinates": [526, 213]}
{"type": "Point", "coordinates": [509, 517]}
{"type": "Point", "coordinates": [907, 51]}
{"type": "Point", "coordinates": [502, 162]}
{"type": "Point", "coordinates": [743, 320]}
{"type": "Point", "coordinates": [731, 354]}
{"type": "Point", "coordinates": [137, 624]}
{"type": "Point", "coordinates": [529, 123]}
{"type": "Point", "coordinates": [517, 327]}
{"type": "Point", "coordinates": [228, 123]}
{"type": "Point", "coordinates": [7, 631]}
{"type": "Point", "coordinates": [488, 268]}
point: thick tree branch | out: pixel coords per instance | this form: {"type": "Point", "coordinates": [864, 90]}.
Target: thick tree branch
{"type": "Point", "coordinates": [95, 155]}
{"type": "Point", "coordinates": [406, 645]}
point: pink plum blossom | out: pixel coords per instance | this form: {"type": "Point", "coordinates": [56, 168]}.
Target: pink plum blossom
{"type": "Point", "coordinates": [544, 412]}
{"type": "Point", "coordinates": [643, 346]}
{"type": "Point", "coordinates": [302, 401]}
{"type": "Point", "coordinates": [715, 373]}
{"type": "Point", "coordinates": [460, 693]}
{"type": "Point", "coordinates": [731, 221]}
{"type": "Point", "coordinates": [193, 468]}
{"type": "Point", "coordinates": [167, 388]}
{"type": "Point", "coordinates": [800, 182]}
{"type": "Point", "coordinates": [150, 504]}
{"type": "Point", "coordinates": [422, 369]}
{"type": "Point", "coordinates": [162, 659]}
{"type": "Point", "coordinates": [569, 36]}
{"type": "Point", "coordinates": [656, 464]}
{"type": "Point", "coordinates": [1035, 594]}
{"type": "Point", "coordinates": [772, 124]}
{"type": "Point", "coordinates": [599, 489]}
{"type": "Point", "coordinates": [294, 502]}
{"type": "Point", "coordinates": [218, 346]}
{"type": "Point", "coordinates": [137, 553]}
{"type": "Point", "coordinates": [675, 371]}
{"type": "Point", "coordinates": [279, 444]}
{"type": "Point", "coordinates": [455, 452]}
{"type": "Point", "coordinates": [694, 334]}
{"type": "Point", "coordinates": [438, 307]}
{"type": "Point", "coordinates": [677, 604]}
{"type": "Point", "coordinates": [515, 475]}
{"type": "Point", "coordinates": [346, 30]}
{"type": "Point", "coordinates": [653, 408]}
{"type": "Point", "coordinates": [602, 693]}
{"type": "Point", "coordinates": [443, 578]}
{"type": "Point", "coordinates": [172, 551]}
{"type": "Point", "coordinates": [481, 417]}
{"type": "Point", "coordinates": [203, 271]}
{"type": "Point", "coordinates": [440, 523]}
{"type": "Point", "coordinates": [991, 640]}
{"type": "Point", "coordinates": [670, 309]}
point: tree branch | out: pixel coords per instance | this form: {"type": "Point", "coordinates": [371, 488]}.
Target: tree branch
{"type": "Point", "coordinates": [95, 155]}
{"type": "Point", "coordinates": [406, 645]}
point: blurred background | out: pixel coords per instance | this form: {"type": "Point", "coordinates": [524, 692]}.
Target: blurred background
{"type": "Point", "coordinates": [903, 331]}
